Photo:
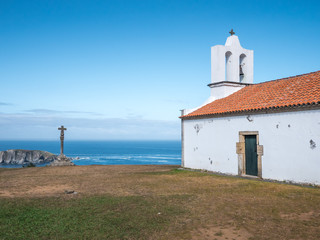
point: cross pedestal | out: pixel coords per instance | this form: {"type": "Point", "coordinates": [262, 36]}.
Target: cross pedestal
{"type": "Point", "coordinates": [62, 160]}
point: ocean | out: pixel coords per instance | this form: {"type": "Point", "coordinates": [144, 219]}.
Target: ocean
{"type": "Point", "coordinates": [106, 152]}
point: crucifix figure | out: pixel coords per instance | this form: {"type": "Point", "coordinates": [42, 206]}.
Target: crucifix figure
{"type": "Point", "coordinates": [62, 129]}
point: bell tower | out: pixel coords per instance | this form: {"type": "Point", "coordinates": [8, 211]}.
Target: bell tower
{"type": "Point", "coordinates": [231, 68]}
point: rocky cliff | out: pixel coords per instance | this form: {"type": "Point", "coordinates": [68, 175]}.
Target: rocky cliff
{"type": "Point", "coordinates": [18, 156]}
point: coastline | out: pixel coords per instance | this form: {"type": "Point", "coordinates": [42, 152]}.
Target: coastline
{"type": "Point", "coordinates": [155, 152]}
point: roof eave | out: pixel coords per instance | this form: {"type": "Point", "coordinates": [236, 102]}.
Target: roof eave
{"type": "Point", "coordinates": [275, 109]}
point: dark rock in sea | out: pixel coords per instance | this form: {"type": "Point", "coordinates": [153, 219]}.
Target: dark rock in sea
{"type": "Point", "coordinates": [18, 156]}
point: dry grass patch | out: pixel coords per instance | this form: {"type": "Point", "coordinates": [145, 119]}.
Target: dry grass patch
{"type": "Point", "coordinates": [169, 203]}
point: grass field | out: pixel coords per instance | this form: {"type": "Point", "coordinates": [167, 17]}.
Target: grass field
{"type": "Point", "coordinates": [151, 202]}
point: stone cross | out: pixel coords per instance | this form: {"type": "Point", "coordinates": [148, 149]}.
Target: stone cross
{"type": "Point", "coordinates": [62, 128]}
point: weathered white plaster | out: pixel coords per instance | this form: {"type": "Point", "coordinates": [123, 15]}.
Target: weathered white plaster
{"type": "Point", "coordinates": [223, 89]}
{"type": "Point", "coordinates": [291, 143]}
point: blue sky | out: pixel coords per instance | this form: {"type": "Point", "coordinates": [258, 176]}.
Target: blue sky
{"type": "Point", "coordinates": [123, 69]}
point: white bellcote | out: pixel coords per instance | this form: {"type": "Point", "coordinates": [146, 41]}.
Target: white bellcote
{"type": "Point", "coordinates": [231, 68]}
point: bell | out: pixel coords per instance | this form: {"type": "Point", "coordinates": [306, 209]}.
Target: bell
{"type": "Point", "coordinates": [240, 70]}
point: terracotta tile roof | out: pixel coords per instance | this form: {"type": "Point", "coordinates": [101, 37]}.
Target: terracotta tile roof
{"type": "Point", "coordinates": [282, 93]}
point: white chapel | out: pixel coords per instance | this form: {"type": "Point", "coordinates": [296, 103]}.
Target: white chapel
{"type": "Point", "coordinates": [269, 130]}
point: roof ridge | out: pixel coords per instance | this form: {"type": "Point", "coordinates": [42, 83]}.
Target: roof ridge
{"type": "Point", "coordinates": [300, 75]}
{"type": "Point", "coordinates": [267, 95]}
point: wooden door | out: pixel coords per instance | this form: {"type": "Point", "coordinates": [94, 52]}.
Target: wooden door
{"type": "Point", "coordinates": [251, 155]}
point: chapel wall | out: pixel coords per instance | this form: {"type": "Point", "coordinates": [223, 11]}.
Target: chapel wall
{"type": "Point", "coordinates": [291, 143]}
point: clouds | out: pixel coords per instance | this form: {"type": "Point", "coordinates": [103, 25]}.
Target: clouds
{"type": "Point", "coordinates": [5, 104]}
{"type": "Point", "coordinates": [42, 123]}
{"type": "Point", "coordinates": [58, 112]}
{"type": "Point", "coordinates": [39, 126]}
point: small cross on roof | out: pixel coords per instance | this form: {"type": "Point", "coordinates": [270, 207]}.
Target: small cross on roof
{"type": "Point", "coordinates": [232, 32]}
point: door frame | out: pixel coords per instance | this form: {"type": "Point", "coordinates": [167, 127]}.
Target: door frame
{"type": "Point", "coordinates": [242, 153]}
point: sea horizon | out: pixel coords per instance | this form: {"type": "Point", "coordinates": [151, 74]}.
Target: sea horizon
{"type": "Point", "coordinates": [105, 152]}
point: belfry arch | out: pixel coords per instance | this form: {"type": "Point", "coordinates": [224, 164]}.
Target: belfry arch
{"type": "Point", "coordinates": [228, 65]}
{"type": "Point", "coordinates": [242, 67]}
